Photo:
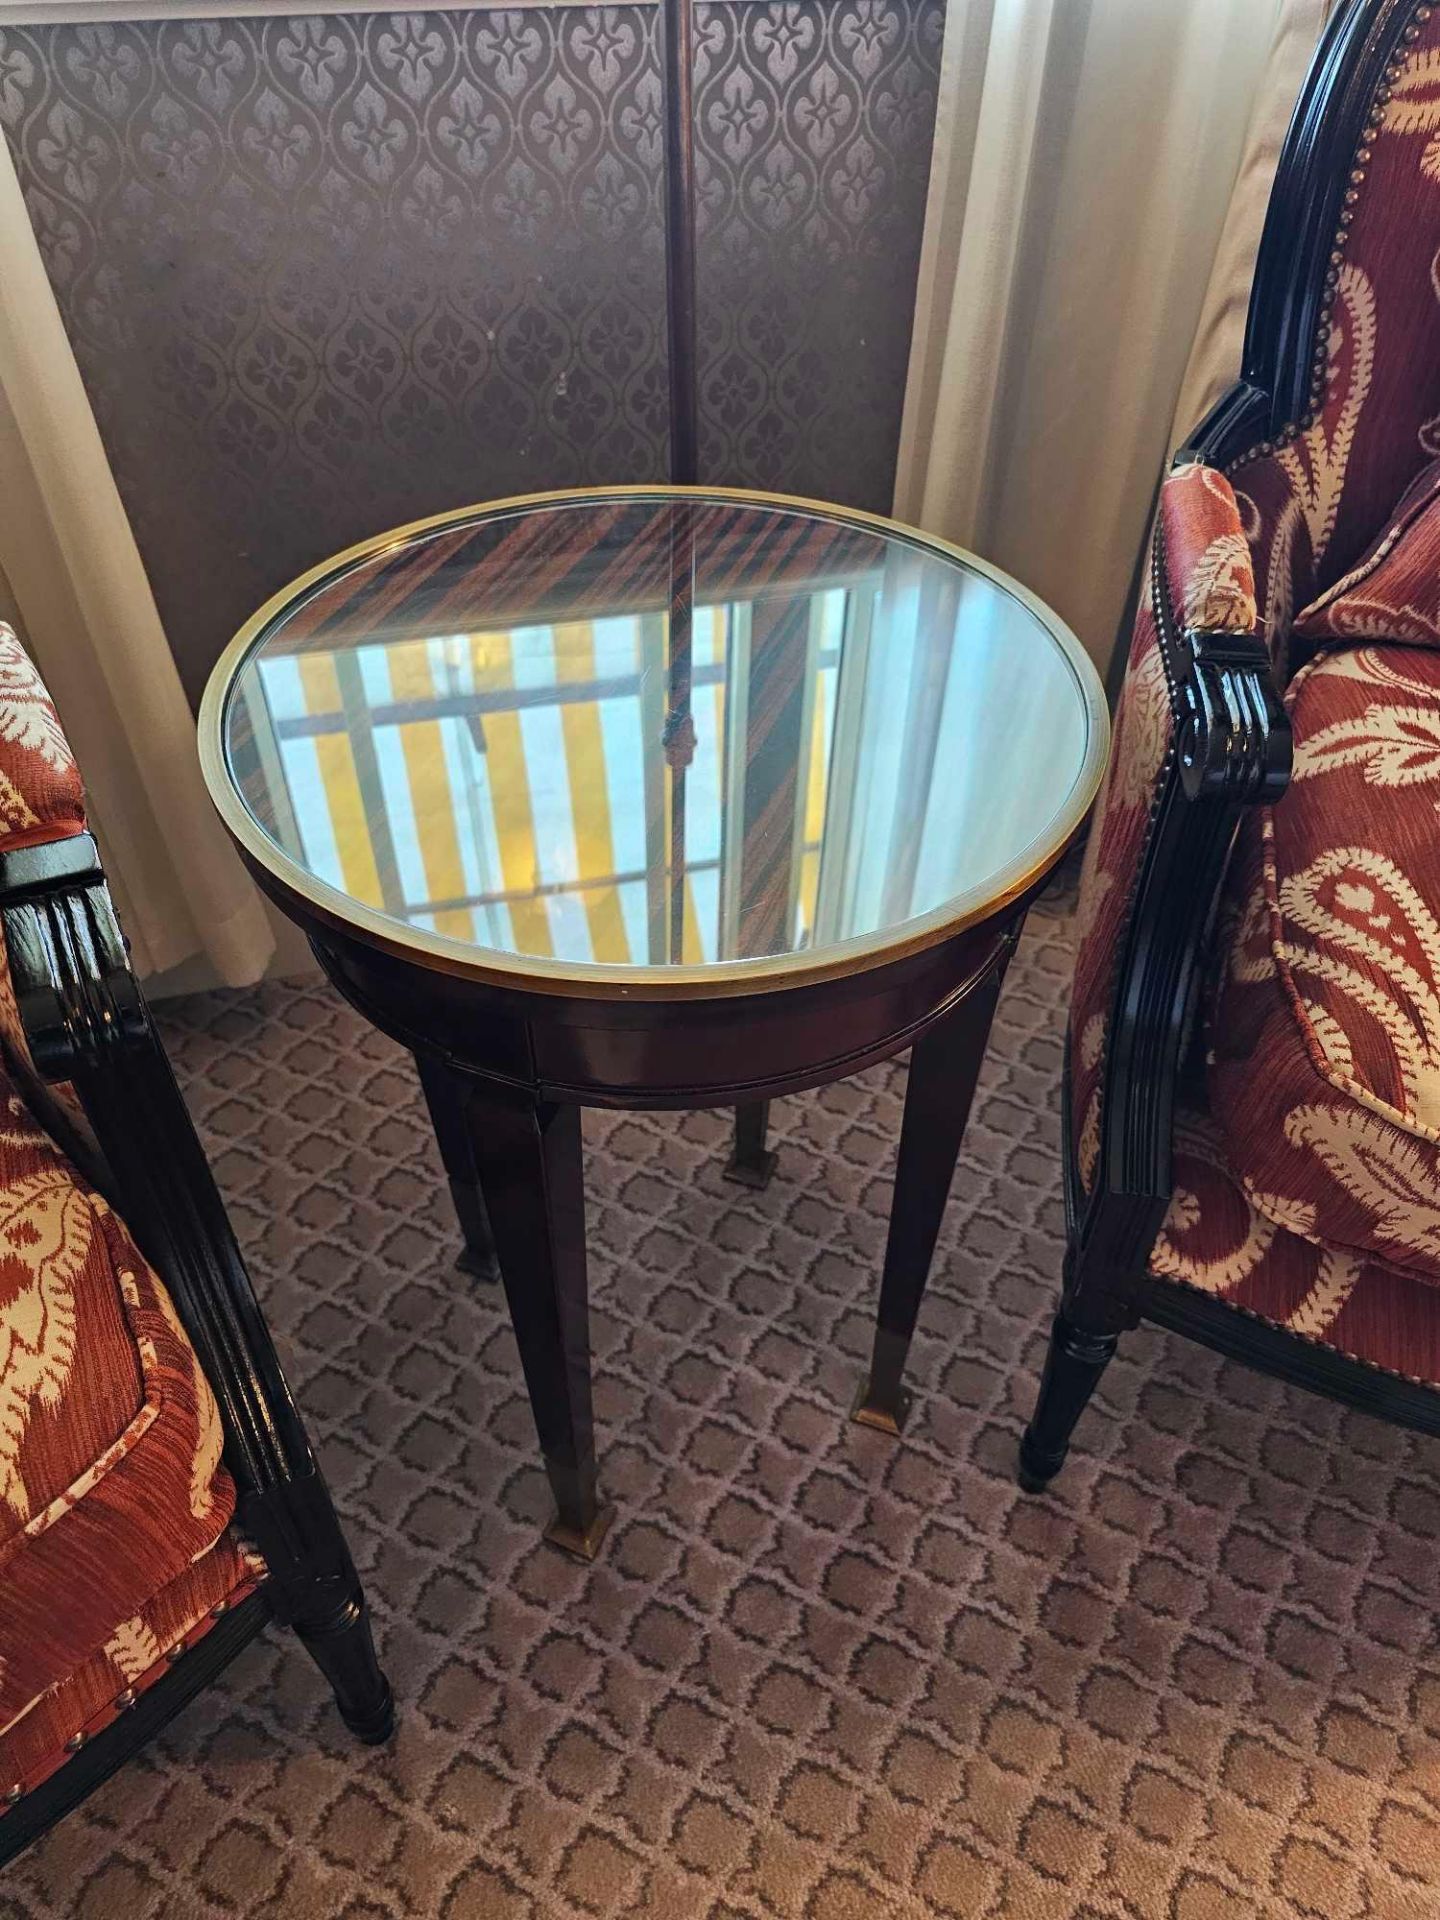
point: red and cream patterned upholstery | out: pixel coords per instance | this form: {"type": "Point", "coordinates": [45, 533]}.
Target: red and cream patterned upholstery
{"type": "Point", "coordinates": [1216, 1240]}
{"type": "Point", "coordinates": [1393, 593]}
{"type": "Point", "coordinates": [1207, 557]}
{"type": "Point", "coordinates": [114, 1506]}
{"type": "Point", "coordinates": [1207, 562]}
{"type": "Point", "coordinates": [41, 797]}
{"type": "Point", "coordinates": [1325, 1038]}
{"type": "Point", "coordinates": [116, 1546]}
{"type": "Point", "coordinates": [1311, 1194]}
{"type": "Point", "coordinates": [134, 1655]}
{"type": "Point", "coordinates": [1139, 743]}
{"type": "Point", "coordinates": [1312, 503]}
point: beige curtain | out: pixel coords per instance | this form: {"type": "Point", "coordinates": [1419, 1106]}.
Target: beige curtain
{"type": "Point", "coordinates": [1220, 334]}
{"type": "Point", "coordinates": [1086, 157]}
{"type": "Point", "coordinates": [74, 584]}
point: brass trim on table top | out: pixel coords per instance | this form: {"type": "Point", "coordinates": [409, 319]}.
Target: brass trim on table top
{"type": "Point", "coordinates": [592, 980]}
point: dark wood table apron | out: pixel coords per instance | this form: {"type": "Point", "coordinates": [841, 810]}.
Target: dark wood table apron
{"type": "Point", "coordinates": [506, 1073]}
{"type": "Point", "coordinates": [513, 1040]}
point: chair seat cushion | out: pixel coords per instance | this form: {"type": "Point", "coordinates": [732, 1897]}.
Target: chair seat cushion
{"type": "Point", "coordinates": [1393, 590]}
{"type": "Point", "coordinates": [1216, 1239]}
{"type": "Point", "coordinates": [136, 1654]}
{"type": "Point", "coordinates": [111, 1486]}
{"type": "Point", "coordinates": [1325, 1028]}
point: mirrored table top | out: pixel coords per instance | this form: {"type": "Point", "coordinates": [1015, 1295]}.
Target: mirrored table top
{"type": "Point", "coordinates": [642, 740]}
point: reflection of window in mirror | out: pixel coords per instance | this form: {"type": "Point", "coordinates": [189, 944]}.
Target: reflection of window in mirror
{"type": "Point", "coordinates": [509, 786]}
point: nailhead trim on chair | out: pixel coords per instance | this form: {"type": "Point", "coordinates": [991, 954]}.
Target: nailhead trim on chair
{"type": "Point", "coordinates": [1359, 170]}
{"type": "Point", "coordinates": [103, 1717]}
{"type": "Point", "coordinates": [1294, 1333]}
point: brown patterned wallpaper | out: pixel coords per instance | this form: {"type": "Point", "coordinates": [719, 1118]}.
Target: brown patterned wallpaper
{"type": "Point", "coordinates": [328, 273]}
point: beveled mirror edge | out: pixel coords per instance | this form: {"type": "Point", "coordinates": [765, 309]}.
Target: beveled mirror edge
{"type": "Point", "coordinates": [592, 980]}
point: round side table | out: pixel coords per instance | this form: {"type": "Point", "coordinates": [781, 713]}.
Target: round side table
{"type": "Point", "coordinates": [656, 797]}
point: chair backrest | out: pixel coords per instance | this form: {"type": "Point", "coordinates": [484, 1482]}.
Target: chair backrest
{"type": "Point", "coordinates": [1338, 407]}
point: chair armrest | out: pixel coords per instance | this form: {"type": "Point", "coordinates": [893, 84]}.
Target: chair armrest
{"type": "Point", "coordinates": [77, 1015]}
{"type": "Point", "coordinates": [77, 1001]}
{"type": "Point", "coordinates": [1232, 736]}
{"type": "Point", "coordinates": [1227, 745]}
{"type": "Point", "coordinates": [74, 997]}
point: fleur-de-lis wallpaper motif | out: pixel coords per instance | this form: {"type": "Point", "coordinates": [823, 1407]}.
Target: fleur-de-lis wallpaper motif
{"type": "Point", "coordinates": [327, 273]}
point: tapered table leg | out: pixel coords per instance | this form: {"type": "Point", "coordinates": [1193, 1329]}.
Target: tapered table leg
{"type": "Point", "coordinates": [530, 1162]}
{"type": "Point", "coordinates": [751, 1163]}
{"type": "Point", "coordinates": [446, 1094]}
{"type": "Point", "coordinates": [944, 1067]}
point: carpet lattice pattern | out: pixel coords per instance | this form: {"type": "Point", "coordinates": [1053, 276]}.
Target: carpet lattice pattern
{"type": "Point", "coordinates": [815, 1675]}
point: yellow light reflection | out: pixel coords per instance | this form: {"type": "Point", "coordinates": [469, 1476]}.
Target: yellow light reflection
{"type": "Point", "coordinates": [348, 822]}
{"type": "Point", "coordinates": [431, 799]}
{"type": "Point", "coordinates": [814, 814]}
{"type": "Point", "coordinates": [585, 765]}
{"type": "Point", "coordinates": [493, 664]}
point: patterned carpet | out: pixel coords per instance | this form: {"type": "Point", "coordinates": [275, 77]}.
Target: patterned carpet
{"type": "Point", "coordinates": [815, 1675]}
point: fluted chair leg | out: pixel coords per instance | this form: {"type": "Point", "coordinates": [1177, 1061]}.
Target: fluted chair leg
{"type": "Point", "coordinates": [344, 1651]}
{"type": "Point", "coordinates": [317, 1592]}
{"type": "Point", "coordinates": [1077, 1358]}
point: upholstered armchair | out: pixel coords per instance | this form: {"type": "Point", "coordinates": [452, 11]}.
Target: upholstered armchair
{"type": "Point", "coordinates": [1253, 1099]}
{"type": "Point", "coordinates": [159, 1501]}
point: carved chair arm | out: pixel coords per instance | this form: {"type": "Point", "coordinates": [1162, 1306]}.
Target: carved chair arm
{"type": "Point", "coordinates": [1230, 748]}
{"type": "Point", "coordinates": [77, 1000]}
{"type": "Point", "coordinates": [74, 997]}
{"type": "Point", "coordinates": [76, 1014]}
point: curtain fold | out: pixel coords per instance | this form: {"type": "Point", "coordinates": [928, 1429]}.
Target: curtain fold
{"type": "Point", "coordinates": [1085, 160]}
{"type": "Point", "coordinates": [987, 132]}
{"type": "Point", "coordinates": [1220, 334]}
{"type": "Point", "coordinates": [76, 589]}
